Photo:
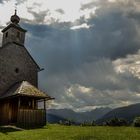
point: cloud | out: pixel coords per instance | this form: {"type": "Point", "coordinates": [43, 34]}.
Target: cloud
{"type": "Point", "coordinates": [94, 84]}
{"type": "Point", "coordinates": [2, 1]}
{"type": "Point", "coordinates": [81, 66]}
{"type": "Point", "coordinates": [61, 11]}
{"type": "Point", "coordinates": [129, 64]}
{"type": "Point", "coordinates": [97, 63]}
{"type": "Point", "coordinates": [38, 17]}
{"type": "Point", "coordinates": [84, 25]}
{"type": "Point", "coordinates": [20, 1]}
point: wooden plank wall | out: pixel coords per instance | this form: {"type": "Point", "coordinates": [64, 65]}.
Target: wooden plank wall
{"type": "Point", "coordinates": [31, 118]}
{"type": "Point", "coordinates": [5, 113]}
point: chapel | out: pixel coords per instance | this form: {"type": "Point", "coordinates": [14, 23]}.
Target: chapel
{"type": "Point", "coordinates": [19, 93]}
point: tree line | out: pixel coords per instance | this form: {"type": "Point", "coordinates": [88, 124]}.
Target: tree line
{"type": "Point", "coordinates": [111, 122]}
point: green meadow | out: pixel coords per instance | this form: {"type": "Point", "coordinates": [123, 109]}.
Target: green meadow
{"type": "Point", "coordinates": [59, 132]}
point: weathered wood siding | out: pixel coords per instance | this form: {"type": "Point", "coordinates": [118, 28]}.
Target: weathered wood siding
{"type": "Point", "coordinates": [31, 118]}
{"type": "Point", "coordinates": [5, 113]}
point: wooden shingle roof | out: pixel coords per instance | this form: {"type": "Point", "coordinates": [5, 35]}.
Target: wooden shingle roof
{"type": "Point", "coordinates": [24, 88]}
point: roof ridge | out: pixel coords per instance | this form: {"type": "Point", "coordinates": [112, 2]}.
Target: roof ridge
{"type": "Point", "coordinates": [20, 88]}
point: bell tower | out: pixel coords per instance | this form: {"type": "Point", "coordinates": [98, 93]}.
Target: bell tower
{"type": "Point", "coordinates": [13, 33]}
{"type": "Point", "coordinates": [16, 63]}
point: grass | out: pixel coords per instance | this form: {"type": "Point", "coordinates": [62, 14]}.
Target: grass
{"type": "Point", "coordinates": [57, 132]}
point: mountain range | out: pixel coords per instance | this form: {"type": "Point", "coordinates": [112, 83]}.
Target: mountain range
{"type": "Point", "coordinates": [54, 119]}
{"type": "Point", "coordinates": [100, 115]}
{"type": "Point", "coordinates": [128, 113]}
{"type": "Point", "coordinates": [55, 115]}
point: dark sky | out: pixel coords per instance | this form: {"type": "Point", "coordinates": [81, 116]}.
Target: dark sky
{"type": "Point", "coordinates": [89, 67]}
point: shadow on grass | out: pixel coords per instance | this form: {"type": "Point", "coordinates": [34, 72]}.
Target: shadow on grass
{"type": "Point", "coordinates": [7, 129]}
{"type": "Point", "coordinates": [27, 127]}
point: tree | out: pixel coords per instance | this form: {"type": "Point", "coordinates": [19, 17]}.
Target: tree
{"type": "Point", "coordinates": [86, 123]}
{"type": "Point", "coordinates": [136, 122]}
{"type": "Point", "coordinates": [116, 122]}
{"type": "Point", "coordinates": [93, 123]}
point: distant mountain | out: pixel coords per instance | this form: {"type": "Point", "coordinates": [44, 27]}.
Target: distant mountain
{"type": "Point", "coordinates": [79, 116]}
{"type": "Point", "coordinates": [128, 113]}
{"type": "Point", "coordinates": [54, 119]}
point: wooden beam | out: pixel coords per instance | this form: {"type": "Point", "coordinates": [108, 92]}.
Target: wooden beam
{"type": "Point", "coordinates": [33, 103]}
{"type": "Point", "coordinates": [45, 112]}
{"type": "Point", "coordinates": [44, 104]}
{"type": "Point", "coordinates": [19, 103]}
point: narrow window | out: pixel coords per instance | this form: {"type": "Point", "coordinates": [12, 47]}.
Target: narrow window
{"type": "Point", "coordinates": [6, 34]}
{"type": "Point", "coordinates": [16, 70]}
{"type": "Point", "coordinates": [18, 34]}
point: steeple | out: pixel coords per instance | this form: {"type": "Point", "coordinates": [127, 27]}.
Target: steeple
{"type": "Point", "coordinates": [13, 33]}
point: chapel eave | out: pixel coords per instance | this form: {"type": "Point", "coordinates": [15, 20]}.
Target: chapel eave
{"type": "Point", "coordinates": [25, 89]}
{"type": "Point", "coordinates": [15, 26]}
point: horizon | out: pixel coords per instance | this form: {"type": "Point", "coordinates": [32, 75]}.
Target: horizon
{"type": "Point", "coordinates": [84, 111]}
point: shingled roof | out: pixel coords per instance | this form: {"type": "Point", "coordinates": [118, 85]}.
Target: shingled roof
{"type": "Point", "coordinates": [24, 88]}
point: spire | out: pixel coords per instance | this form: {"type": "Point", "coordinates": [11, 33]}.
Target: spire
{"type": "Point", "coordinates": [15, 18]}
{"type": "Point", "coordinates": [15, 8]}
{"type": "Point", "coordinates": [15, 11]}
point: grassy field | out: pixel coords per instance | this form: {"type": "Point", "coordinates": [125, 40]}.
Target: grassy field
{"type": "Point", "coordinates": [57, 132]}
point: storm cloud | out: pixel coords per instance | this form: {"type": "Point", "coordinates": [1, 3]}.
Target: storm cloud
{"type": "Point", "coordinates": [2, 1]}
{"type": "Point", "coordinates": [86, 67]}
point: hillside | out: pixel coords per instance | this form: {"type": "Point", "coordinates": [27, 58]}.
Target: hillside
{"type": "Point", "coordinates": [78, 116]}
{"type": "Point", "coordinates": [127, 112]}
{"type": "Point", "coordinates": [54, 119]}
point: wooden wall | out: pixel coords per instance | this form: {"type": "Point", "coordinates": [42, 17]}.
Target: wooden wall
{"type": "Point", "coordinates": [5, 112]}
{"type": "Point", "coordinates": [23, 116]}
{"type": "Point", "coordinates": [31, 118]}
